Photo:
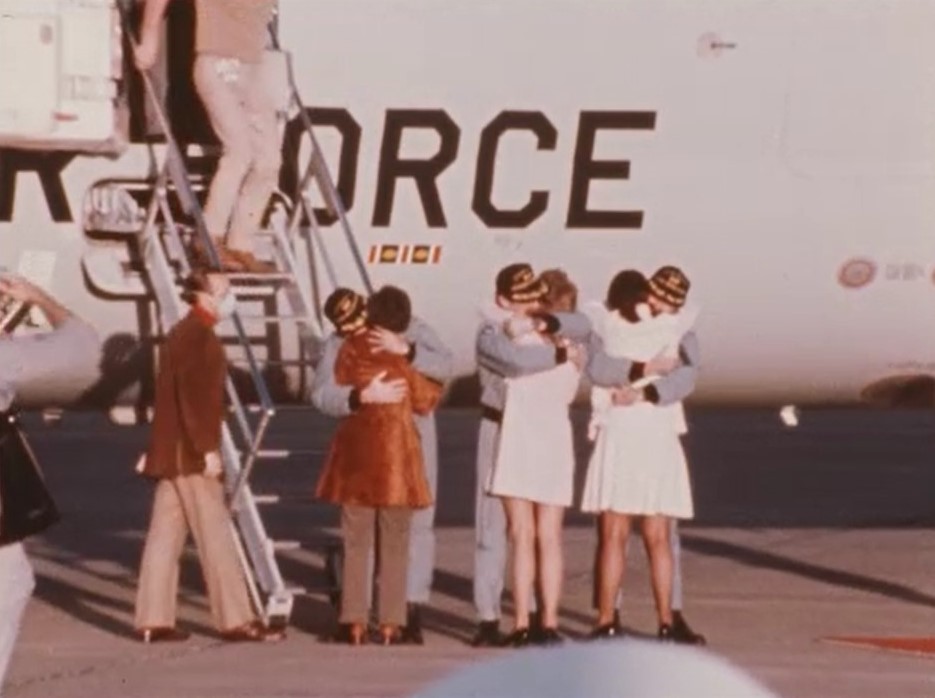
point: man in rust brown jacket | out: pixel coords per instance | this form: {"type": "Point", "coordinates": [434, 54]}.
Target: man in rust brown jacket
{"type": "Point", "coordinates": [183, 457]}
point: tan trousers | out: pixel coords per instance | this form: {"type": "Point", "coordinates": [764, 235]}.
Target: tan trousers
{"type": "Point", "coordinates": [244, 118]}
{"type": "Point", "coordinates": [191, 503]}
{"type": "Point", "coordinates": [357, 526]}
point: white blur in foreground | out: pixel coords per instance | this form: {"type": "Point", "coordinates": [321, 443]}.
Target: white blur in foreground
{"type": "Point", "coordinates": [625, 668]}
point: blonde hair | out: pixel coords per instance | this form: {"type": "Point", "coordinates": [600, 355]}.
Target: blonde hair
{"type": "Point", "coordinates": [562, 295]}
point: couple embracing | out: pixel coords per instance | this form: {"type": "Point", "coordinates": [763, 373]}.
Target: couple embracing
{"type": "Point", "coordinates": [639, 350]}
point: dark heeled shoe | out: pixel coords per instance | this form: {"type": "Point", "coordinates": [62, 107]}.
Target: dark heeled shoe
{"type": "Point", "coordinates": [606, 632]}
{"type": "Point", "coordinates": [521, 637]}
{"type": "Point", "coordinates": [549, 637]}
{"type": "Point", "coordinates": [665, 633]}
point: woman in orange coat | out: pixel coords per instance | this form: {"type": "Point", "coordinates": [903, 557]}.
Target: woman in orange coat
{"type": "Point", "coordinates": [375, 469]}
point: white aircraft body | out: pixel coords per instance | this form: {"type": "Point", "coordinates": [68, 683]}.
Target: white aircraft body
{"type": "Point", "coordinates": [782, 154]}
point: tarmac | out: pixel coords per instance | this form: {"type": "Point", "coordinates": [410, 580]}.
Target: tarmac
{"type": "Point", "coordinates": [801, 534]}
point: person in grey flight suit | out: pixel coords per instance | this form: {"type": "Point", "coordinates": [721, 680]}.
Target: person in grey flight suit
{"type": "Point", "coordinates": [518, 292]}
{"type": "Point", "coordinates": [70, 349]}
{"type": "Point", "coordinates": [433, 359]}
{"type": "Point", "coordinates": [678, 383]}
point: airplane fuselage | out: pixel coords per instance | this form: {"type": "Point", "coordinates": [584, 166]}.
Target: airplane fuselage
{"type": "Point", "coordinates": [782, 155]}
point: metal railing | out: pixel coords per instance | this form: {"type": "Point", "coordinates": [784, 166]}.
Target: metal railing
{"type": "Point", "coordinates": [236, 464]}
{"type": "Point", "coordinates": [319, 171]}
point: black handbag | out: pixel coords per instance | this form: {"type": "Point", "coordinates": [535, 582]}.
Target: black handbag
{"type": "Point", "coordinates": [26, 505]}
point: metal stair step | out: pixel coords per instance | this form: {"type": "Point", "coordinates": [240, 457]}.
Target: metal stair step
{"type": "Point", "coordinates": [274, 453]}
{"type": "Point", "coordinates": [271, 453]}
{"type": "Point", "coordinates": [302, 496]}
{"type": "Point", "coordinates": [109, 228]}
{"type": "Point", "coordinates": [242, 360]}
{"type": "Point", "coordinates": [255, 291]}
{"type": "Point", "coordinates": [174, 213]}
{"type": "Point", "coordinates": [195, 150]}
{"type": "Point", "coordinates": [232, 341]}
{"type": "Point", "coordinates": [196, 180]}
{"type": "Point", "coordinates": [274, 318]}
{"type": "Point", "coordinates": [270, 278]}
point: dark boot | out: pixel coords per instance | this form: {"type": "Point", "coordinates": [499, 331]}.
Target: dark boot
{"type": "Point", "coordinates": [682, 633]}
{"type": "Point", "coordinates": [488, 634]}
{"type": "Point", "coordinates": [412, 632]}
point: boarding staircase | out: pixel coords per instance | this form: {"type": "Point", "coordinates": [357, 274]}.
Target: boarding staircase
{"type": "Point", "coordinates": [162, 234]}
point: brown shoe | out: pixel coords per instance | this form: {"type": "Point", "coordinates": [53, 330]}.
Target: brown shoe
{"type": "Point", "coordinates": [150, 635]}
{"type": "Point", "coordinates": [253, 631]}
{"type": "Point", "coordinates": [391, 634]}
{"type": "Point", "coordinates": [356, 634]}
{"type": "Point", "coordinates": [348, 634]}
{"type": "Point", "coordinates": [249, 263]}
{"type": "Point", "coordinates": [229, 261]}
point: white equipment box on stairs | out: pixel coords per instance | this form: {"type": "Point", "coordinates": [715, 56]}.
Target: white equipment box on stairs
{"type": "Point", "coordinates": [62, 66]}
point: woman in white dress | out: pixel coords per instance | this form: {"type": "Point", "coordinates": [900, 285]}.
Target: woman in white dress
{"type": "Point", "coordinates": [534, 469]}
{"type": "Point", "coordinates": [637, 468]}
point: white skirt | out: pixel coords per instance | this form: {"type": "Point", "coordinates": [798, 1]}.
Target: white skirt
{"type": "Point", "coordinates": [638, 466]}
{"type": "Point", "coordinates": [536, 457]}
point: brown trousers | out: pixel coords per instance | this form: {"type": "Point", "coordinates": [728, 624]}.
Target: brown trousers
{"type": "Point", "coordinates": [357, 526]}
{"type": "Point", "coordinates": [191, 503]}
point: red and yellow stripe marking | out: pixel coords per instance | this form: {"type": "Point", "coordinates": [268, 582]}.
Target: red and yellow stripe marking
{"type": "Point", "coordinates": [405, 254]}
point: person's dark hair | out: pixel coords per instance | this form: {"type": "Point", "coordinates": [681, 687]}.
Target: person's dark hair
{"type": "Point", "coordinates": [196, 282]}
{"type": "Point", "coordinates": [627, 289]}
{"type": "Point", "coordinates": [390, 308]}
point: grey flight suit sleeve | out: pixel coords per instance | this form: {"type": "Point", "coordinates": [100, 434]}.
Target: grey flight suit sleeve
{"type": "Point", "coordinates": [679, 384]}
{"type": "Point", "coordinates": [329, 397]}
{"type": "Point", "coordinates": [501, 355]}
{"type": "Point", "coordinates": [604, 370]}
{"type": "Point", "coordinates": [611, 372]}
{"type": "Point", "coordinates": [433, 359]}
{"type": "Point", "coordinates": [574, 326]}
{"type": "Point", "coordinates": [72, 348]}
